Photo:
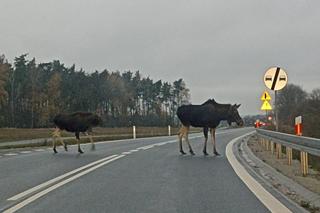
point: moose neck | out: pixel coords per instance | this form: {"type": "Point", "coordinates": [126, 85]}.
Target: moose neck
{"type": "Point", "coordinates": [222, 110]}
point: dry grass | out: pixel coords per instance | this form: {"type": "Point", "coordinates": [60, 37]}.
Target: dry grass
{"type": "Point", "coordinates": [16, 134]}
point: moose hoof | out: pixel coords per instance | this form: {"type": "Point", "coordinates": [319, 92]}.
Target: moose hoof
{"type": "Point", "coordinates": [182, 152]}
{"type": "Point", "coordinates": [55, 151]}
{"type": "Point", "coordinates": [80, 151]}
{"type": "Point", "coordinates": [205, 152]}
{"type": "Point", "coordinates": [191, 152]}
{"type": "Point", "coordinates": [93, 147]}
{"type": "Point", "coordinates": [216, 153]}
{"type": "Point", "coordinates": [66, 148]}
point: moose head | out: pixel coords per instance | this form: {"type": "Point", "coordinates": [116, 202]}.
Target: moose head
{"type": "Point", "coordinates": [233, 115]}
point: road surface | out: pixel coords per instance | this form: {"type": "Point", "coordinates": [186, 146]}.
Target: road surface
{"type": "Point", "coordinates": [138, 177]}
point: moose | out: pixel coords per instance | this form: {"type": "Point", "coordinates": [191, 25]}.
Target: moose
{"type": "Point", "coordinates": [208, 116]}
{"type": "Point", "coordinates": [75, 122]}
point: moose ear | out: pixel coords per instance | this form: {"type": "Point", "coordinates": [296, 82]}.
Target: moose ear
{"type": "Point", "coordinates": [238, 106]}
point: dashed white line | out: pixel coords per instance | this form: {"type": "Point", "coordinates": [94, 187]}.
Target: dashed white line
{"type": "Point", "coordinates": [39, 150]}
{"type": "Point", "coordinates": [10, 154]}
{"type": "Point", "coordinates": [126, 153]}
{"type": "Point", "coordinates": [29, 191]}
{"type": "Point", "coordinates": [25, 152]}
{"type": "Point", "coordinates": [80, 172]}
{"type": "Point", "coordinates": [147, 147]}
{"type": "Point", "coordinates": [51, 188]}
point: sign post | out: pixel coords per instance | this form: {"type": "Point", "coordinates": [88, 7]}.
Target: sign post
{"type": "Point", "coordinates": [275, 79]}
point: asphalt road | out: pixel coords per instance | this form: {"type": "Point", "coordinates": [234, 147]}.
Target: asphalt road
{"type": "Point", "coordinates": [151, 179]}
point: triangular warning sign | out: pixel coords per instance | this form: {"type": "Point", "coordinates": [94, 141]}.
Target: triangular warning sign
{"type": "Point", "coordinates": [265, 96]}
{"type": "Point", "coordinates": [266, 106]}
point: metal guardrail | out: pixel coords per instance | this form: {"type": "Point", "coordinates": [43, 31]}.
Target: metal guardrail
{"type": "Point", "coordinates": [273, 141]}
{"type": "Point", "coordinates": [301, 143]}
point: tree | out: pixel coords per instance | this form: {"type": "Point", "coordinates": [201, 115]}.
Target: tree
{"type": "Point", "coordinates": [32, 94]}
{"type": "Point", "coordinates": [290, 103]}
{"type": "Point", "coordinates": [311, 115]}
{"type": "Point", "coordinates": [4, 74]}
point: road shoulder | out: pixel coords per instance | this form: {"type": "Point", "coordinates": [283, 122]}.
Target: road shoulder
{"type": "Point", "coordinates": [274, 200]}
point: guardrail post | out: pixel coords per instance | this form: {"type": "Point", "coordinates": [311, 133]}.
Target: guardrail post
{"type": "Point", "coordinates": [272, 147]}
{"type": "Point", "coordinates": [279, 150]}
{"type": "Point", "coordinates": [134, 132]}
{"type": "Point", "coordinates": [304, 162]}
{"type": "Point", "coordinates": [169, 130]}
{"type": "Point", "coordinates": [289, 155]}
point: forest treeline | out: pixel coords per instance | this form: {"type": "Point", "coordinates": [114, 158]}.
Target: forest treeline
{"type": "Point", "coordinates": [293, 101]}
{"type": "Point", "coordinates": [32, 94]}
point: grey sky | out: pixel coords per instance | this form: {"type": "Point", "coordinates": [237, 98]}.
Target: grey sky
{"type": "Point", "coordinates": [220, 48]}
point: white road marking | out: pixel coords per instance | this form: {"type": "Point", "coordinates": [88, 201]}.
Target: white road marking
{"type": "Point", "coordinates": [39, 150]}
{"type": "Point", "coordinates": [25, 152]}
{"type": "Point", "coordinates": [29, 191]}
{"type": "Point", "coordinates": [160, 144]}
{"type": "Point", "coordinates": [10, 154]}
{"type": "Point", "coordinates": [261, 193]}
{"type": "Point", "coordinates": [54, 180]}
{"type": "Point", "coordinates": [51, 188]}
{"type": "Point", "coordinates": [126, 153]}
{"type": "Point", "coordinates": [145, 147]}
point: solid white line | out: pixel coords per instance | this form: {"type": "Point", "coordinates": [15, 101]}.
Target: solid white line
{"type": "Point", "coordinates": [51, 188]}
{"type": "Point", "coordinates": [261, 193]}
{"type": "Point", "coordinates": [29, 191]}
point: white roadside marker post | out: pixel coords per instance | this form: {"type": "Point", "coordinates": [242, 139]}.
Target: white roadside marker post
{"type": "Point", "coordinates": [134, 132]}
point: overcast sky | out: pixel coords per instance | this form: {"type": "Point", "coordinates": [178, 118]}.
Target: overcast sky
{"type": "Point", "coordinates": [220, 48]}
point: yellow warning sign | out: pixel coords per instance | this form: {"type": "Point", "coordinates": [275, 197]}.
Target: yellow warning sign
{"type": "Point", "coordinates": [265, 96]}
{"type": "Point", "coordinates": [266, 106]}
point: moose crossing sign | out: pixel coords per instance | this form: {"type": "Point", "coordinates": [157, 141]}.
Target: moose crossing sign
{"type": "Point", "coordinates": [275, 78]}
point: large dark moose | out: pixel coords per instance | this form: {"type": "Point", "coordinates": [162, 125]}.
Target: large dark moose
{"type": "Point", "coordinates": [76, 122]}
{"type": "Point", "coordinates": [207, 115]}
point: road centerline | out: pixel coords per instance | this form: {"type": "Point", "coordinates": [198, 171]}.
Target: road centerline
{"type": "Point", "coordinates": [47, 183]}
{"type": "Point", "coordinates": [57, 185]}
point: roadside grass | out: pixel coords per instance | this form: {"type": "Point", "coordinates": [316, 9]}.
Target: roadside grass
{"type": "Point", "coordinates": [100, 134]}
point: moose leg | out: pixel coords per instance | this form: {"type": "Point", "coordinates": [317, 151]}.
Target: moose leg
{"type": "Point", "coordinates": [78, 141]}
{"type": "Point", "coordinates": [91, 140]}
{"type": "Point", "coordinates": [55, 134]}
{"type": "Point", "coordinates": [187, 140]}
{"type": "Point", "coordinates": [205, 132]}
{"type": "Point", "coordinates": [180, 135]}
{"type": "Point", "coordinates": [213, 135]}
{"type": "Point", "coordinates": [54, 146]}
{"type": "Point", "coordinates": [58, 134]}
{"type": "Point", "coordinates": [63, 144]}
